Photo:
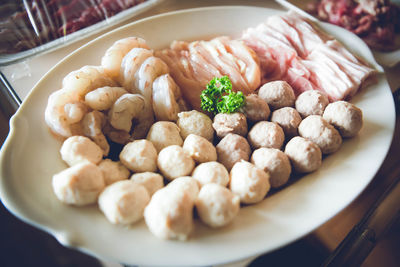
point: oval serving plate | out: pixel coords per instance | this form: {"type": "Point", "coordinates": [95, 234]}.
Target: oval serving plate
{"type": "Point", "coordinates": [30, 157]}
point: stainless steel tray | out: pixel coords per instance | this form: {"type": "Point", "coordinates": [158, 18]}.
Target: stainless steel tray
{"type": "Point", "coordinates": [80, 34]}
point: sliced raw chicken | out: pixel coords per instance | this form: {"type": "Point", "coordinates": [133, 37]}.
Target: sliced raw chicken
{"type": "Point", "coordinates": [193, 65]}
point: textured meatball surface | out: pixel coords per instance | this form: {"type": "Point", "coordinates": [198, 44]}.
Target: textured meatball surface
{"type": "Point", "coordinates": [344, 116]}
{"type": "Point", "coordinates": [311, 102]}
{"type": "Point", "coordinates": [249, 182]}
{"type": "Point", "coordinates": [123, 202]}
{"type": "Point", "coordinates": [195, 122]}
{"type": "Point", "coordinates": [304, 155]}
{"type": "Point", "coordinates": [289, 119]}
{"type": "Point", "coordinates": [163, 134]}
{"type": "Point", "coordinates": [174, 162]}
{"type": "Point", "coordinates": [216, 205]}
{"type": "Point", "coordinates": [256, 109]}
{"type": "Point", "coordinates": [266, 134]}
{"type": "Point", "coordinates": [235, 123]}
{"type": "Point", "coordinates": [275, 162]}
{"type": "Point", "coordinates": [211, 172]}
{"type": "Point", "coordinates": [199, 148]}
{"type": "Point", "coordinates": [139, 156]}
{"type": "Point", "coordinates": [277, 94]}
{"type": "Point", "coordinates": [231, 149]}
{"type": "Point", "coordinates": [318, 130]}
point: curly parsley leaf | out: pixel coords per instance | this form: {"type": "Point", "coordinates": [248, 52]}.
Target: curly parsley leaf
{"type": "Point", "coordinates": [218, 97]}
{"type": "Point", "coordinates": [231, 103]}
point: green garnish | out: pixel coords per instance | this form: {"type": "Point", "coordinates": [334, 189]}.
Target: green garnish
{"type": "Point", "coordinates": [218, 97]}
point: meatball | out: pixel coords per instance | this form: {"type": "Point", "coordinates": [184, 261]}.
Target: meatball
{"type": "Point", "coordinates": [304, 154]}
{"type": "Point", "coordinates": [123, 202]}
{"type": "Point", "coordinates": [169, 214]}
{"type": "Point", "coordinates": [256, 109]}
{"type": "Point", "coordinates": [76, 149]}
{"type": "Point", "coordinates": [231, 149]}
{"type": "Point", "coordinates": [266, 134]}
{"type": "Point", "coordinates": [311, 102]}
{"type": "Point", "coordinates": [79, 185]}
{"type": "Point", "coordinates": [345, 116]}
{"type": "Point", "coordinates": [235, 123]}
{"type": "Point", "coordinates": [199, 148]}
{"type": "Point", "coordinates": [217, 205]}
{"type": "Point", "coordinates": [163, 134]}
{"type": "Point", "coordinates": [174, 162]}
{"type": "Point", "coordinates": [277, 94]}
{"type": "Point", "coordinates": [139, 156]}
{"type": "Point", "coordinates": [249, 182]}
{"type": "Point", "coordinates": [318, 130]}
{"type": "Point", "coordinates": [150, 180]}
{"type": "Point", "coordinates": [113, 171]}
{"type": "Point", "coordinates": [195, 122]}
{"type": "Point", "coordinates": [275, 162]}
{"type": "Point", "coordinates": [288, 118]}
{"type": "Point", "coordinates": [211, 172]}
{"type": "Point", "coordinates": [186, 184]}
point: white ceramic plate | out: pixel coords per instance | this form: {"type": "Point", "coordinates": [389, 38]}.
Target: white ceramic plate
{"type": "Point", "coordinates": [30, 157]}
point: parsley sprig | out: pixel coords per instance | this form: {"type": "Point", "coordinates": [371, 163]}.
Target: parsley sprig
{"type": "Point", "coordinates": [218, 97]}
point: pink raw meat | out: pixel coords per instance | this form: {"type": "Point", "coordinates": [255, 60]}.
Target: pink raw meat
{"type": "Point", "coordinates": [193, 65]}
{"type": "Point", "coordinates": [293, 50]}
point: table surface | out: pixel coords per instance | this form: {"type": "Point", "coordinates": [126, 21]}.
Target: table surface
{"type": "Point", "coordinates": [24, 75]}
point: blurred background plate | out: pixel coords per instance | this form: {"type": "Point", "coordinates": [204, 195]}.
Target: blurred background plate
{"type": "Point", "coordinates": [35, 24]}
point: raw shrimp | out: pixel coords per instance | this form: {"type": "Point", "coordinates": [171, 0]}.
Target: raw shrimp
{"type": "Point", "coordinates": [103, 98]}
{"type": "Point", "coordinates": [65, 107]}
{"type": "Point", "coordinates": [145, 120]}
{"type": "Point", "coordinates": [112, 59]}
{"type": "Point", "coordinates": [124, 110]}
{"type": "Point", "coordinates": [167, 99]}
{"type": "Point", "coordinates": [151, 68]}
{"type": "Point", "coordinates": [63, 110]}
{"type": "Point", "coordinates": [92, 126]}
{"type": "Point", "coordinates": [130, 65]}
{"type": "Point", "coordinates": [86, 79]}
{"type": "Point", "coordinates": [127, 108]}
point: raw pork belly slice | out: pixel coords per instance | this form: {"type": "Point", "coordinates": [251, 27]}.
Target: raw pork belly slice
{"type": "Point", "coordinates": [293, 50]}
{"type": "Point", "coordinates": [193, 65]}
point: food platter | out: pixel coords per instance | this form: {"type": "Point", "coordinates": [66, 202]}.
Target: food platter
{"type": "Point", "coordinates": [30, 156]}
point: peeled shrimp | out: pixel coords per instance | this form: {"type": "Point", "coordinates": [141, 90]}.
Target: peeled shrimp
{"type": "Point", "coordinates": [86, 79]}
{"type": "Point", "coordinates": [142, 83]}
{"type": "Point", "coordinates": [65, 107]}
{"type": "Point", "coordinates": [92, 126]}
{"type": "Point", "coordinates": [145, 120]}
{"type": "Point", "coordinates": [103, 98]}
{"type": "Point", "coordinates": [62, 111]}
{"type": "Point", "coordinates": [151, 68]}
{"type": "Point", "coordinates": [167, 99]}
{"type": "Point", "coordinates": [138, 71]}
{"type": "Point", "coordinates": [130, 65]}
{"type": "Point", "coordinates": [124, 110]}
{"type": "Point", "coordinates": [111, 61]}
